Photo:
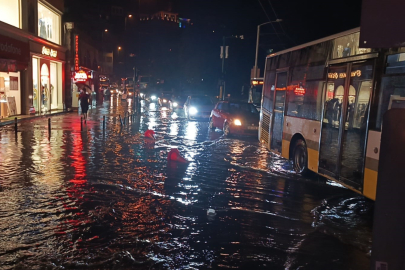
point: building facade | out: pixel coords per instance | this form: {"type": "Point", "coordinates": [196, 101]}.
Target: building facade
{"type": "Point", "coordinates": [32, 58]}
{"type": "Point", "coordinates": [87, 66]}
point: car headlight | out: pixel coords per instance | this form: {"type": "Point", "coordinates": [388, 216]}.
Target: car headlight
{"type": "Point", "coordinates": [164, 100]}
{"type": "Point", "coordinates": [153, 97]}
{"type": "Point", "coordinates": [237, 122]}
{"type": "Point", "coordinates": [193, 111]}
{"type": "Point", "coordinates": [175, 104]}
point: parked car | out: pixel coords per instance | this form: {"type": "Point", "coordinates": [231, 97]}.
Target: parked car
{"type": "Point", "coordinates": [235, 118]}
{"type": "Point", "coordinates": [165, 99]}
{"type": "Point", "coordinates": [178, 103]}
{"type": "Point", "coordinates": [198, 106]}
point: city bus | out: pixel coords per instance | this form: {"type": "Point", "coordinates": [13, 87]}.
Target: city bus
{"type": "Point", "coordinates": [323, 104]}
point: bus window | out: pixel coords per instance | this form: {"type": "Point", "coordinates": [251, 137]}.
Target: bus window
{"type": "Point", "coordinates": [395, 63]}
{"type": "Point", "coordinates": [268, 92]}
{"type": "Point", "coordinates": [390, 86]}
{"type": "Point", "coordinates": [306, 103]}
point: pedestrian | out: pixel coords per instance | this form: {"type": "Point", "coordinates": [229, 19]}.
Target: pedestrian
{"type": "Point", "coordinates": [84, 103]}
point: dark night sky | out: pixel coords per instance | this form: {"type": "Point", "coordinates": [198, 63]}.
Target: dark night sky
{"type": "Point", "coordinates": [303, 21]}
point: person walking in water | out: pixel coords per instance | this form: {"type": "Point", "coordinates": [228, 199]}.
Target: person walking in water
{"type": "Point", "coordinates": [84, 103]}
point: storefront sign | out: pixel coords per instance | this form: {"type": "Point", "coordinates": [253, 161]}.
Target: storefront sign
{"type": "Point", "coordinates": [14, 49]}
{"type": "Point", "coordinates": [49, 52]}
{"type": "Point", "coordinates": [256, 82]}
{"type": "Point", "coordinates": [356, 73]}
{"type": "Point", "coordinates": [77, 52]}
{"type": "Point", "coordinates": [299, 91]}
{"type": "Point", "coordinates": [80, 76]}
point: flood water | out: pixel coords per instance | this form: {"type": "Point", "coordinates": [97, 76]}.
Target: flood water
{"type": "Point", "coordinates": [88, 199]}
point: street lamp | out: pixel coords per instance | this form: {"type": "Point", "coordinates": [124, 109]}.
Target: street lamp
{"type": "Point", "coordinates": [257, 42]}
{"type": "Point", "coordinates": [222, 95]}
{"type": "Point", "coordinates": [106, 30]}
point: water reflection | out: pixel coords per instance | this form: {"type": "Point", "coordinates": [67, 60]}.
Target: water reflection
{"type": "Point", "coordinates": [109, 199]}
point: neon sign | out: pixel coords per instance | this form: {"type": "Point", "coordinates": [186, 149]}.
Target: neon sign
{"type": "Point", "coordinates": [299, 91]}
{"type": "Point", "coordinates": [80, 76]}
{"type": "Point", "coordinates": [49, 52]}
{"type": "Point", "coordinates": [77, 52]}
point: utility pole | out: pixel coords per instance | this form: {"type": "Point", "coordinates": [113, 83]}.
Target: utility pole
{"type": "Point", "coordinates": [257, 43]}
{"type": "Point", "coordinates": [225, 55]}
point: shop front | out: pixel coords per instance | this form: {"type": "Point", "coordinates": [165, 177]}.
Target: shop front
{"type": "Point", "coordinates": [83, 79]}
{"type": "Point", "coordinates": [14, 57]}
{"type": "Point", "coordinates": [47, 77]}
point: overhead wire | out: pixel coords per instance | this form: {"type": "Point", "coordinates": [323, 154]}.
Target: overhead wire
{"type": "Point", "coordinates": [281, 26]}
{"type": "Point", "coordinates": [268, 17]}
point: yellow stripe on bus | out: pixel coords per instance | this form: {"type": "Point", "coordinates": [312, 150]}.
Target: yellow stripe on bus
{"type": "Point", "coordinates": [285, 149]}
{"type": "Point", "coordinates": [370, 183]}
{"type": "Point", "coordinates": [313, 157]}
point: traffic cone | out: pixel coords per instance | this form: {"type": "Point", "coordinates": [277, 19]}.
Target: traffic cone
{"type": "Point", "coordinates": [174, 155]}
{"type": "Point", "coordinates": [149, 134]}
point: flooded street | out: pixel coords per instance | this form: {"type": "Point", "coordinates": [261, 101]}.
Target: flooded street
{"type": "Point", "coordinates": [110, 200]}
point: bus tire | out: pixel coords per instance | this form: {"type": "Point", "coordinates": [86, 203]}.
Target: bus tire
{"type": "Point", "coordinates": [211, 125]}
{"type": "Point", "coordinates": [300, 157]}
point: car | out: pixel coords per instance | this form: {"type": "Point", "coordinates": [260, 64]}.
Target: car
{"type": "Point", "coordinates": [235, 118]}
{"type": "Point", "coordinates": [198, 107]}
{"type": "Point", "coordinates": [130, 93]}
{"type": "Point", "coordinates": [178, 103]}
{"type": "Point", "coordinates": [165, 100]}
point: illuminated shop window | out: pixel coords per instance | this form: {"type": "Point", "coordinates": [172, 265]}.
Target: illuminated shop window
{"type": "Point", "coordinates": [48, 24]}
{"type": "Point", "coordinates": [10, 12]}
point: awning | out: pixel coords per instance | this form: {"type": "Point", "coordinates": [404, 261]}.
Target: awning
{"type": "Point", "coordinates": [7, 65]}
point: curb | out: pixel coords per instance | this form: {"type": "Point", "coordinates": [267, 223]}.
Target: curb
{"type": "Point", "coordinates": [2, 124]}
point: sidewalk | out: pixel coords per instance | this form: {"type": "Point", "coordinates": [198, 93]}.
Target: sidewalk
{"type": "Point", "coordinates": [20, 118]}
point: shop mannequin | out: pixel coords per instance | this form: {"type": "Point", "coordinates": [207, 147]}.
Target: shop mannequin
{"type": "Point", "coordinates": [347, 50]}
{"type": "Point", "coordinates": [42, 27]}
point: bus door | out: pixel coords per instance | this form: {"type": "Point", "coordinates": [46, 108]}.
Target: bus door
{"type": "Point", "coordinates": [278, 115]}
{"type": "Point", "coordinates": [345, 122]}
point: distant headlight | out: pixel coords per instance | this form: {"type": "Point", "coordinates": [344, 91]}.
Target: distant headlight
{"type": "Point", "coordinates": [237, 122]}
{"type": "Point", "coordinates": [130, 93]}
{"type": "Point", "coordinates": [193, 111]}
{"type": "Point", "coordinates": [164, 100]}
{"type": "Point", "coordinates": [175, 104]}
{"type": "Point", "coordinates": [153, 97]}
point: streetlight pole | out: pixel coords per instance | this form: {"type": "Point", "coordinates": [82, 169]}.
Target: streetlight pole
{"type": "Point", "coordinates": [257, 43]}
{"type": "Point", "coordinates": [222, 95]}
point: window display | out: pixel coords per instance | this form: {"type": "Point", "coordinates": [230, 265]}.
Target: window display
{"type": "Point", "coordinates": [47, 85]}
{"type": "Point", "coordinates": [10, 94]}
{"type": "Point", "coordinates": [10, 12]}
{"type": "Point", "coordinates": [48, 24]}
{"type": "Point", "coordinates": [35, 94]}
